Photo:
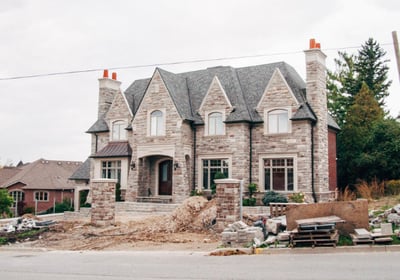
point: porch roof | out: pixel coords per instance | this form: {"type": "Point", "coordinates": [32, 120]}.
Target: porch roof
{"type": "Point", "coordinates": [114, 149]}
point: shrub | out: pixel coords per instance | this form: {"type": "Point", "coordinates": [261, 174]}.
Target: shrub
{"type": "Point", "coordinates": [61, 207]}
{"type": "Point", "coordinates": [251, 201]}
{"type": "Point", "coordinates": [6, 202]}
{"type": "Point", "coordinates": [392, 187]}
{"type": "Point", "coordinates": [373, 190]}
{"type": "Point", "coordinates": [196, 192]}
{"type": "Point", "coordinates": [347, 195]}
{"type": "Point", "coordinates": [272, 196]}
{"type": "Point", "coordinates": [297, 197]}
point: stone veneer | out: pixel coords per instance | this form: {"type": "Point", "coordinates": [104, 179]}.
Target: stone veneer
{"type": "Point", "coordinates": [103, 202]}
{"type": "Point", "coordinates": [228, 202]}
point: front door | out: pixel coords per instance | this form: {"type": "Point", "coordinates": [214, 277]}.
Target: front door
{"type": "Point", "coordinates": [165, 177]}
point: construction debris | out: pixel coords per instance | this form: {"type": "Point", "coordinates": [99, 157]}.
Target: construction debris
{"type": "Point", "coordinates": [239, 234]}
{"type": "Point", "coordinates": [381, 235]}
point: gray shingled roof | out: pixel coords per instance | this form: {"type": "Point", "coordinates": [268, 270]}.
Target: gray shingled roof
{"type": "Point", "coordinates": [99, 126]}
{"type": "Point", "coordinates": [243, 86]}
{"type": "Point", "coordinates": [83, 171]}
{"type": "Point", "coordinates": [114, 149]}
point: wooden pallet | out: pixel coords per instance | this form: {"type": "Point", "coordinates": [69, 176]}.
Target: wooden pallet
{"type": "Point", "coordinates": [314, 238]}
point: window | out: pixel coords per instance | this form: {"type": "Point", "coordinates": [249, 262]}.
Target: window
{"type": "Point", "coordinates": [211, 167]}
{"type": "Point", "coordinates": [279, 174]}
{"type": "Point", "coordinates": [42, 196]}
{"type": "Point", "coordinates": [156, 123]}
{"type": "Point", "coordinates": [118, 130]}
{"type": "Point", "coordinates": [17, 196]}
{"type": "Point", "coordinates": [111, 170]}
{"type": "Point", "coordinates": [215, 124]}
{"type": "Point", "coordinates": [278, 121]}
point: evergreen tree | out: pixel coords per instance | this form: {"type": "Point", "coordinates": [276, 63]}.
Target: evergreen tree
{"type": "Point", "coordinates": [354, 154]}
{"type": "Point", "coordinates": [369, 67]}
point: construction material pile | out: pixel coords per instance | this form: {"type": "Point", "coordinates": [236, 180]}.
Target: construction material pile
{"type": "Point", "coordinates": [316, 231]}
{"type": "Point", "coordinates": [239, 234]}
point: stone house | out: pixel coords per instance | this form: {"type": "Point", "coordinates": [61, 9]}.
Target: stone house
{"type": "Point", "coordinates": [172, 133]}
{"type": "Point", "coordinates": [40, 184]}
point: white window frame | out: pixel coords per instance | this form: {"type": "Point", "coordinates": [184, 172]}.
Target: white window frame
{"type": "Point", "coordinates": [17, 195]}
{"type": "Point", "coordinates": [207, 123]}
{"type": "Point", "coordinates": [41, 196]}
{"type": "Point", "coordinates": [214, 157]}
{"type": "Point", "coordinates": [267, 113]}
{"type": "Point", "coordinates": [277, 156]}
{"type": "Point", "coordinates": [111, 167]}
{"type": "Point", "coordinates": [160, 129]}
{"type": "Point", "coordinates": [118, 126]}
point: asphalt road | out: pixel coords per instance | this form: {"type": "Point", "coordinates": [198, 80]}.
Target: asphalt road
{"type": "Point", "coordinates": [87, 265]}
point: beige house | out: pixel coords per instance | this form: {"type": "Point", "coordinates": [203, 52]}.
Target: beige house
{"type": "Point", "coordinates": [171, 133]}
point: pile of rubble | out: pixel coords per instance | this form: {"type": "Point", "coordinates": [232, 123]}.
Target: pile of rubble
{"type": "Point", "coordinates": [391, 215]}
{"type": "Point", "coordinates": [25, 223]}
{"type": "Point", "coordinates": [239, 234]}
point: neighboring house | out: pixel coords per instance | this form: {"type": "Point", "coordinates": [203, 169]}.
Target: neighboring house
{"type": "Point", "coordinates": [171, 133]}
{"type": "Point", "coordinates": [42, 183]}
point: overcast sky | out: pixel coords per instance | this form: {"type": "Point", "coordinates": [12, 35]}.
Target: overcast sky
{"type": "Point", "coordinates": [47, 116]}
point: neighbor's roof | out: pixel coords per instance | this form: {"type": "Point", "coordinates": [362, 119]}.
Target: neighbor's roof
{"type": "Point", "coordinates": [44, 174]}
{"type": "Point", "coordinates": [8, 172]}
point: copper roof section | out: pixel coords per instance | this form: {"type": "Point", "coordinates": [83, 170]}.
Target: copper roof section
{"type": "Point", "coordinates": [114, 149]}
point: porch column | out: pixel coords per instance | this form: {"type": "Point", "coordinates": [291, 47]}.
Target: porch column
{"type": "Point", "coordinates": [228, 202]}
{"type": "Point", "coordinates": [103, 202]}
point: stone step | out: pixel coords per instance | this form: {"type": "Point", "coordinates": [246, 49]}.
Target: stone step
{"type": "Point", "coordinates": [148, 207]}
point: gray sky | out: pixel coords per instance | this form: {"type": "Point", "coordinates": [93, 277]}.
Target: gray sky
{"type": "Point", "coordinates": [46, 117]}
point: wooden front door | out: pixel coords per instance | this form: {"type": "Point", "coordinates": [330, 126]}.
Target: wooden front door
{"type": "Point", "coordinates": [165, 177]}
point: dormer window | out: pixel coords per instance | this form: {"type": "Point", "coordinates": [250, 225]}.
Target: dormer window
{"type": "Point", "coordinates": [157, 123]}
{"type": "Point", "coordinates": [118, 131]}
{"type": "Point", "coordinates": [215, 124]}
{"type": "Point", "coordinates": [278, 121]}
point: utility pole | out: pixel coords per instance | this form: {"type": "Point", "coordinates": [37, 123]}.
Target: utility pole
{"type": "Point", "coordinates": [396, 50]}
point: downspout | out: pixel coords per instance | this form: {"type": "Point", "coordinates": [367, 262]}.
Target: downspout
{"type": "Point", "coordinates": [194, 157]}
{"type": "Point", "coordinates": [250, 152]}
{"type": "Point", "coordinates": [312, 163]}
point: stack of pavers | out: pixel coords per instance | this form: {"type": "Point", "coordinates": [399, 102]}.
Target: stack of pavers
{"type": "Point", "coordinates": [239, 234]}
{"type": "Point", "coordinates": [382, 235]}
{"type": "Point", "coordinates": [319, 231]}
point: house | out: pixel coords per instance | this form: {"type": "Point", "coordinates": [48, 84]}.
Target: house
{"type": "Point", "coordinates": [41, 184]}
{"type": "Point", "coordinates": [172, 133]}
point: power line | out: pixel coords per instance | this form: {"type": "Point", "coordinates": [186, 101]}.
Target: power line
{"type": "Point", "coordinates": [169, 63]}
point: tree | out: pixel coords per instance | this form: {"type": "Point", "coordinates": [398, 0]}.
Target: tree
{"type": "Point", "coordinates": [6, 202]}
{"type": "Point", "coordinates": [368, 67]}
{"type": "Point", "coordinates": [354, 153]}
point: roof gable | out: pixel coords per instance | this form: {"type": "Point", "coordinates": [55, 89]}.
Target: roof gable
{"type": "Point", "coordinates": [215, 96]}
{"type": "Point", "coordinates": [277, 85]}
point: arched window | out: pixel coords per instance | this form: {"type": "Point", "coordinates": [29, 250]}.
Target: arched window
{"type": "Point", "coordinates": [118, 130]}
{"type": "Point", "coordinates": [157, 123]}
{"type": "Point", "coordinates": [215, 124]}
{"type": "Point", "coordinates": [278, 121]}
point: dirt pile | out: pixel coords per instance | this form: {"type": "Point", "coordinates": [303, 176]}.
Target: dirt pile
{"type": "Point", "coordinates": [188, 227]}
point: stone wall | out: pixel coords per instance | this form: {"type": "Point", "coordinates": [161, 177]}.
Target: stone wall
{"type": "Point", "coordinates": [103, 202]}
{"type": "Point", "coordinates": [228, 202]}
{"type": "Point", "coordinates": [355, 213]}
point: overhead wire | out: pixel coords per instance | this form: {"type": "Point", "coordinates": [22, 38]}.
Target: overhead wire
{"type": "Point", "coordinates": [169, 63]}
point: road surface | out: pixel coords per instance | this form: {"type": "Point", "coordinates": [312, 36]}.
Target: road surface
{"type": "Point", "coordinates": [88, 265]}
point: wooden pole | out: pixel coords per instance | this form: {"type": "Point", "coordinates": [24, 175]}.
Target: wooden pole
{"type": "Point", "coordinates": [396, 50]}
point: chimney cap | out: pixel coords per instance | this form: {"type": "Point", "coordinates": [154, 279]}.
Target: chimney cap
{"type": "Point", "coordinates": [314, 44]}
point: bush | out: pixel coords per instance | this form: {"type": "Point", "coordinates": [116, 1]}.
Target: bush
{"type": "Point", "coordinates": [392, 187]}
{"type": "Point", "coordinates": [297, 197]}
{"type": "Point", "coordinates": [249, 201]}
{"type": "Point", "coordinates": [272, 196]}
{"type": "Point", "coordinates": [218, 175]}
{"type": "Point", "coordinates": [61, 207]}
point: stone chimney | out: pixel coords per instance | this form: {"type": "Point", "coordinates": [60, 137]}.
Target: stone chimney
{"type": "Point", "coordinates": [316, 97]}
{"type": "Point", "coordinates": [108, 88]}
